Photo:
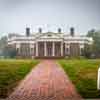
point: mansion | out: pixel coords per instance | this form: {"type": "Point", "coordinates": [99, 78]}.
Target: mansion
{"type": "Point", "coordinates": [48, 44]}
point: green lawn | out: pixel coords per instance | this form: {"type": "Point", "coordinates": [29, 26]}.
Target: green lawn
{"type": "Point", "coordinates": [11, 72]}
{"type": "Point", "coordinates": [83, 73]}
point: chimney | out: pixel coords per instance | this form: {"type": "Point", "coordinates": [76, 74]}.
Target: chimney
{"type": "Point", "coordinates": [40, 30]}
{"type": "Point", "coordinates": [27, 31]}
{"type": "Point", "coordinates": [59, 30]}
{"type": "Point", "coordinates": [72, 33]}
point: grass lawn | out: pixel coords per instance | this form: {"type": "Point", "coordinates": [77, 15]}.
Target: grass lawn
{"type": "Point", "coordinates": [11, 72]}
{"type": "Point", "coordinates": [83, 73]}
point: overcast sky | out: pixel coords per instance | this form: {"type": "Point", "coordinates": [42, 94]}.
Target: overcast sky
{"type": "Point", "coordinates": [15, 15]}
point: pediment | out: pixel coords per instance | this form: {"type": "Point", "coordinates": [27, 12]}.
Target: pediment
{"type": "Point", "coordinates": [49, 35]}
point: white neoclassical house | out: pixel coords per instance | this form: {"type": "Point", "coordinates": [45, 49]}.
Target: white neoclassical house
{"type": "Point", "coordinates": [49, 44]}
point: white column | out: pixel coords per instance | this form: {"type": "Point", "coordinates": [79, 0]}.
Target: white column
{"type": "Point", "coordinates": [33, 50]}
{"type": "Point", "coordinates": [61, 48]}
{"type": "Point", "coordinates": [18, 48]}
{"type": "Point", "coordinates": [32, 54]}
{"type": "Point", "coordinates": [37, 49]}
{"type": "Point", "coordinates": [18, 51]}
{"type": "Point", "coordinates": [66, 49]}
{"type": "Point", "coordinates": [45, 49]}
{"type": "Point", "coordinates": [98, 79]}
{"type": "Point", "coordinates": [53, 49]}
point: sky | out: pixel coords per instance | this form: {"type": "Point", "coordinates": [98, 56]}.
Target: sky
{"type": "Point", "coordinates": [16, 15]}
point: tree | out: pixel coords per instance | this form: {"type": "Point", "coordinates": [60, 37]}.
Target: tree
{"type": "Point", "coordinates": [3, 42]}
{"type": "Point", "coordinates": [96, 44]}
{"type": "Point", "coordinates": [5, 50]}
{"type": "Point", "coordinates": [9, 51]}
{"type": "Point", "coordinates": [88, 50]}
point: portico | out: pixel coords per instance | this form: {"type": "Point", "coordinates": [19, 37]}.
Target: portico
{"type": "Point", "coordinates": [49, 49]}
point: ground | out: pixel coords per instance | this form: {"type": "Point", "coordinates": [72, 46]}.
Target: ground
{"type": "Point", "coordinates": [47, 81]}
{"type": "Point", "coordinates": [83, 74]}
{"type": "Point", "coordinates": [11, 72]}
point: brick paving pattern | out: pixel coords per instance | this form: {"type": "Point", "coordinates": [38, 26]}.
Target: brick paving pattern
{"type": "Point", "coordinates": [47, 81]}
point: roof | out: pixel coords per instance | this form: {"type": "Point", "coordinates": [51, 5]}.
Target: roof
{"type": "Point", "coordinates": [49, 36]}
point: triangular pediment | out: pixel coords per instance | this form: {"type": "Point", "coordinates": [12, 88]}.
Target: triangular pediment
{"type": "Point", "coordinates": [49, 35]}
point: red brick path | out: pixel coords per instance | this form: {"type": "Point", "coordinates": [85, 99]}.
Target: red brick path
{"type": "Point", "coordinates": [47, 81]}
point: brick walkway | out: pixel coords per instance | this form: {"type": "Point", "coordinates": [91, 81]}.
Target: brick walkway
{"type": "Point", "coordinates": [47, 81]}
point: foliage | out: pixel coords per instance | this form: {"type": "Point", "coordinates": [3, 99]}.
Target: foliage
{"type": "Point", "coordinates": [96, 45]}
{"type": "Point", "coordinates": [3, 42]}
{"type": "Point", "coordinates": [5, 50]}
{"type": "Point", "coordinates": [83, 73]}
{"type": "Point", "coordinates": [9, 51]}
{"type": "Point", "coordinates": [88, 50]}
{"type": "Point", "coordinates": [11, 72]}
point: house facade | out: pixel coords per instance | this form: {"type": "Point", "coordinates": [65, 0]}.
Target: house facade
{"type": "Point", "coordinates": [48, 44]}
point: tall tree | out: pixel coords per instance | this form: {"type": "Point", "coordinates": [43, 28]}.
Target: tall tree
{"type": "Point", "coordinates": [3, 43]}
{"type": "Point", "coordinates": [96, 44]}
{"type": "Point", "coordinates": [9, 51]}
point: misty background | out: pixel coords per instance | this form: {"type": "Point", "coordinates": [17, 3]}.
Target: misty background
{"type": "Point", "coordinates": [16, 15]}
